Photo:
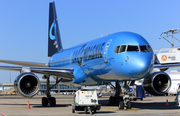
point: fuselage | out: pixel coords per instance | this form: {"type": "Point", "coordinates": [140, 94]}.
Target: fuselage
{"type": "Point", "coordinates": [119, 56]}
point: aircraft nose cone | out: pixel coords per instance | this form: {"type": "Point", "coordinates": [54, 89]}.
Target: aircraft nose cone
{"type": "Point", "coordinates": [140, 66]}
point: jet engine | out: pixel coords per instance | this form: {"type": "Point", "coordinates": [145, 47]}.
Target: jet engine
{"type": "Point", "coordinates": [27, 84]}
{"type": "Point", "coordinates": [158, 83]}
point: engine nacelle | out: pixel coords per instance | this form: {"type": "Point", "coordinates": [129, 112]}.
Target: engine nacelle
{"type": "Point", "coordinates": [157, 83]}
{"type": "Point", "coordinates": [27, 84]}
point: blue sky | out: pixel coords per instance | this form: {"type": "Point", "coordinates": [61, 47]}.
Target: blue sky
{"type": "Point", "coordinates": [24, 24]}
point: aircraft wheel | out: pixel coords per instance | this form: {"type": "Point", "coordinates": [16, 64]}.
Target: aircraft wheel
{"type": "Point", "coordinates": [111, 100]}
{"type": "Point", "coordinates": [44, 101]}
{"type": "Point", "coordinates": [95, 111]}
{"type": "Point", "coordinates": [53, 101]}
{"type": "Point", "coordinates": [121, 105]}
{"type": "Point", "coordinates": [128, 105]}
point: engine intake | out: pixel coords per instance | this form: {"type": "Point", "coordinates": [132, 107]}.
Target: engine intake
{"type": "Point", "coordinates": [157, 83]}
{"type": "Point", "coordinates": [27, 84]}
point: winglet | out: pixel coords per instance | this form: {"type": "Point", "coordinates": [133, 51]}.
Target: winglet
{"type": "Point", "coordinates": [54, 39]}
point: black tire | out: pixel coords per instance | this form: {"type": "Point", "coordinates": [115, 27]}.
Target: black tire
{"type": "Point", "coordinates": [121, 105]}
{"type": "Point", "coordinates": [141, 99]}
{"type": "Point", "coordinates": [95, 111]}
{"type": "Point", "coordinates": [85, 110]}
{"type": "Point", "coordinates": [44, 101]}
{"type": "Point", "coordinates": [114, 101]}
{"type": "Point", "coordinates": [128, 105]}
{"type": "Point", "coordinates": [110, 100]}
{"type": "Point", "coordinates": [53, 101]}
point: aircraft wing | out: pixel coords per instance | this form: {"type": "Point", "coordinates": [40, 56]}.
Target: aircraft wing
{"type": "Point", "coordinates": [25, 63]}
{"type": "Point", "coordinates": [166, 66]}
{"type": "Point", "coordinates": [51, 71]}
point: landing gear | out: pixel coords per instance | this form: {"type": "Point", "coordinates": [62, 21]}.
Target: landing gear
{"type": "Point", "coordinates": [53, 101]}
{"type": "Point", "coordinates": [44, 101]}
{"type": "Point", "coordinates": [49, 100]}
{"type": "Point", "coordinates": [128, 105]}
{"type": "Point", "coordinates": [123, 100]}
{"type": "Point", "coordinates": [121, 105]}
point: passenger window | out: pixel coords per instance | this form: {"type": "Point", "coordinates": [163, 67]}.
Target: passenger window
{"type": "Point", "coordinates": [122, 49]}
{"type": "Point", "coordinates": [132, 48]}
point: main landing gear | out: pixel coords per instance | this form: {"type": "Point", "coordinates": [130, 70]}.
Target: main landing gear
{"type": "Point", "coordinates": [121, 97]}
{"type": "Point", "coordinates": [49, 100]}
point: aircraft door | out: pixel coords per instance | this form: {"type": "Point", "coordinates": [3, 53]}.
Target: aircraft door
{"type": "Point", "coordinates": [84, 56]}
{"type": "Point", "coordinates": [106, 50]}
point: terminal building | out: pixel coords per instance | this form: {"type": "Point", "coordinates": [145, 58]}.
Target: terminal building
{"type": "Point", "coordinates": [8, 88]}
{"type": "Point", "coordinates": [57, 89]}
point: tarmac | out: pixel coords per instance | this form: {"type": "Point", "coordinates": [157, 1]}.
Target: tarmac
{"type": "Point", "coordinates": [150, 106]}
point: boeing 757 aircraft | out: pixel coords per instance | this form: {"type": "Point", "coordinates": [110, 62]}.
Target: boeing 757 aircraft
{"type": "Point", "coordinates": [122, 57]}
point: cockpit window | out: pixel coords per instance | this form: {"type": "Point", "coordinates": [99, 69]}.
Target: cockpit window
{"type": "Point", "coordinates": [150, 48]}
{"type": "Point", "coordinates": [145, 48]}
{"type": "Point", "coordinates": [122, 49]}
{"type": "Point", "coordinates": [117, 49]}
{"type": "Point", "coordinates": [132, 48]}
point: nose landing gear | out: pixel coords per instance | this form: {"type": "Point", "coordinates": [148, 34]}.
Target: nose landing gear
{"type": "Point", "coordinates": [121, 97]}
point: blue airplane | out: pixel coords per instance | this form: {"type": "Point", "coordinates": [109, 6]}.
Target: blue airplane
{"type": "Point", "coordinates": [122, 57]}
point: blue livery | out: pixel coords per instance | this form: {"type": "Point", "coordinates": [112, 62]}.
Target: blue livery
{"type": "Point", "coordinates": [122, 57]}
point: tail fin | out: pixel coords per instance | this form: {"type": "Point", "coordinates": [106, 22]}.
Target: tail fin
{"type": "Point", "coordinates": [54, 39]}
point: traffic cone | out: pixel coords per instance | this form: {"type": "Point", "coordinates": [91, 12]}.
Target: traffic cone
{"type": "Point", "coordinates": [167, 104]}
{"type": "Point", "coordinates": [28, 106]}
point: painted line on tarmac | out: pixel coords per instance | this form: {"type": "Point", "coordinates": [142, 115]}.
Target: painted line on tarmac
{"type": "Point", "coordinates": [117, 109]}
{"type": "Point", "coordinates": [110, 108]}
{"type": "Point", "coordinates": [63, 102]}
{"type": "Point", "coordinates": [134, 110]}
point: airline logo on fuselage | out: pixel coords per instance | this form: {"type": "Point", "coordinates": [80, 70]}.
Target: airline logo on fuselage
{"type": "Point", "coordinates": [87, 53]}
